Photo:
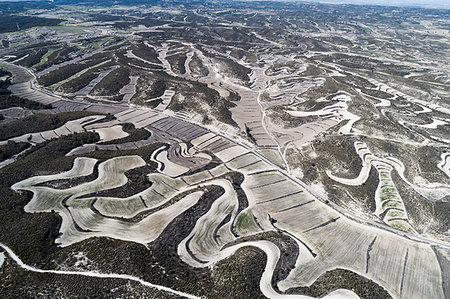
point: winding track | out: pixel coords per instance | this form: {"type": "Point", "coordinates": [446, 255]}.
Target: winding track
{"type": "Point", "coordinates": [19, 262]}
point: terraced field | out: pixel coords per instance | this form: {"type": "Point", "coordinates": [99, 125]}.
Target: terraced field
{"type": "Point", "coordinates": [263, 199]}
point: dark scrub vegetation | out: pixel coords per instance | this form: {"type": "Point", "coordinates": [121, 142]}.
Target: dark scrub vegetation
{"type": "Point", "coordinates": [7, 100]}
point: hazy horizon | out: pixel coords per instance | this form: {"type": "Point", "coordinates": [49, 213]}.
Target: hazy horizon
{"type": "Point", "coordinates": [436, 4]}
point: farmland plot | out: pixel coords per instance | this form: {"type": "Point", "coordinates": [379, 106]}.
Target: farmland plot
{"type": "Point", "coordinates": [73, 126]}
{"type": "Point", "coordinates": [389, 204]}
{"type": "Point", "coordinates": [88, 88]}
{"type": "Point", "coordinates": [162, 190]}
{"type": "Point", "coordinates": [24, 90]}
{"type": "Point", "coordinates": [111, 133]}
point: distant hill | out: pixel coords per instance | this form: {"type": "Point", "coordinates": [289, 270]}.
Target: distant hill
{"type": "Point", "coordinates": [437, 4]}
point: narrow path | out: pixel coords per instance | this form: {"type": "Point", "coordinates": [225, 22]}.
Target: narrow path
{"type": "Point", "coordinates": [19, 262]}
{"type": "Point", "coordinates": [263, 122]}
